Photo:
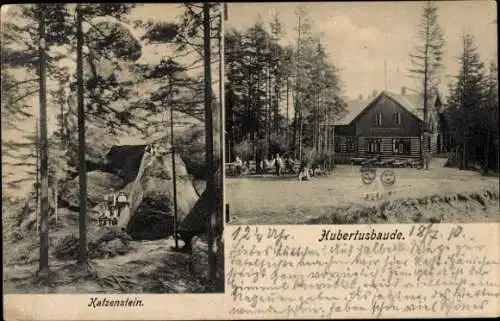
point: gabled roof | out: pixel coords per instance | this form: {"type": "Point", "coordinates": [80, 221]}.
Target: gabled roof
{"type": "Point", "coordinates": [413, 103]}
{"type": "Point", "coordinates": [354, 108]}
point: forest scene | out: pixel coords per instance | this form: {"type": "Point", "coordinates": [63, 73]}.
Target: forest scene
{"type": "Point", "coordinates": [263, 85]}
{"type": "Point", "coordinates": [301, 85]}
{"type": "Point", "coordinates": [111, 148]}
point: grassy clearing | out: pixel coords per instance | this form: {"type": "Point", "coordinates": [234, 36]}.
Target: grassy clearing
{"type": "Point", "coordinates": [337, 198]}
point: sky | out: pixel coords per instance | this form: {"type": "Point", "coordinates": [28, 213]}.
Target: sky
{"type": "Point", "coordinates": [361, 37]}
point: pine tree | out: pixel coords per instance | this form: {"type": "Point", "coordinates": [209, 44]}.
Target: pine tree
{"type": "Point", "coordinates": [491, 122]}
{"type": "Point", "coordinates": [466, 111]}
{"type": "Point", "coordinates": [209, 142]}
{"type": "Point", "coordinates": [427, 61]}
{"type": "Point", "coordinates": [44, 179]}
{"type": "Point", "coordinates": [259, 71]}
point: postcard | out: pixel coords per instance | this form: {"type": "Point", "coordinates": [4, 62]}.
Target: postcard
{"type": "Point", "coordinates": [214, 161]}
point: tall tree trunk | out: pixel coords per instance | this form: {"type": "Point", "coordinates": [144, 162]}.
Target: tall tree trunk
{"type": "Point", "coordinates": [332, 145]}
{"type": "Point", "coordinates": [222, 128]}
{"type": "Point", "coordinates": [298, 127]}
{"type": "Point", "coordinates": [209, 143]}
{"type": "Point", "coordinates": [486, 164]}
{"type": "Point", "coordinates": [257, 107]}
{"type": "Point", "coordinates": [249, 115]}
{"type": "Point", "coordinates": [287, 107]}
{"type": "Point", "coordinates": [63, 125]}
{"type": "Point", "coordinates": [55, 200]}
{"type": "Point", "coordinates": [295, 124]}
{"type": "Point", "coordinates": [82, 258]}
{"type": "Point", "coordinates": [44, 201]}
{"type": "Point", "coordinates": [330, 140]}
{"type": "Point", "coordinates": [269, 107]}
{"type": "Point", "coordinates": [174, 176]}
{"type": "Point", "coordinates": [300, 136]}
{"type": "Point", "coordinates": [327, 125]}
{"type": "Point", "coordinates": [465, 152]}
{"type": "Point", "coordinates": [314, 118]}
{"type": "Point", "coordinates": [37, 186]}
{"type": "Point", "coordinates": [424, 132]}
{"type": "Point", "coordinates": [318, 123]}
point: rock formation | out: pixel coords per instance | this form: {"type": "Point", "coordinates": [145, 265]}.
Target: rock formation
{"type": "Point", "coordinates": [196, 222]}
{"type": "Point", "coordinates": [150, 215]}
{"type": "Point", "coordinates": [99, 184]}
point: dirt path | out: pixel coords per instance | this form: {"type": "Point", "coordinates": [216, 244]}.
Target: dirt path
{"type": "Point", "coordinates": [150, 267]}
{"type": "Point", "coordinates": [284, 200]}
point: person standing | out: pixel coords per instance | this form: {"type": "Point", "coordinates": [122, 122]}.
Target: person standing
{"type": "Point", "coordinates": [121, 202]}
{"type": "Point", "coordinates": [278, 163]}
{"type": "Point", "coordinates": [111, 200]}
{"type": "Point", "coordinates": [239, 165]}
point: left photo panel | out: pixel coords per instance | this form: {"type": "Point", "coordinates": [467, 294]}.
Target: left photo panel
{"type": "Point", "coordinates": [111, 148]}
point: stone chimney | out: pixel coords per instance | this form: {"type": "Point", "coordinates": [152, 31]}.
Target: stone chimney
{"type": "Point", "coordinates": [403, 91]}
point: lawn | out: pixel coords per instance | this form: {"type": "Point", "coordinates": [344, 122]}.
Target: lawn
{"type": "Point", "coordinates": [267, 199]}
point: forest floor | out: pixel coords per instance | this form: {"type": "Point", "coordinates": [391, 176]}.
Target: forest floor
{"type": "Point", "coordinates": [439, 193]}
{"type": "Point", "coordinates": [139, 267]}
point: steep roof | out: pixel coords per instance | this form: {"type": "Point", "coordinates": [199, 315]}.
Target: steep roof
{"type": "Point", "coordinates": [354, 108]}
{"type": "Point", "coordinates": [413, 103]}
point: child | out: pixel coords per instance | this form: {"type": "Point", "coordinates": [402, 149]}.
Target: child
{"type": "Point", "coordinates": [111, 200]}
{"type": "Point", "coordinates": [303, 172]}
{"type": "Point", "coordinates": [122, 201]}
{"type": "Point", "coordinates": [239, 165]}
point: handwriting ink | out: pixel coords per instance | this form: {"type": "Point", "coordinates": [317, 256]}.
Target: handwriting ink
{"type": "Point", "coordinates": [328, 235]}
{"type": "Point", "coordinates": [437, 271]}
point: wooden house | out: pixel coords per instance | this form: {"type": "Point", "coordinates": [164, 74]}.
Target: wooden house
{"type": "Point", "coordinates": [387, 125]}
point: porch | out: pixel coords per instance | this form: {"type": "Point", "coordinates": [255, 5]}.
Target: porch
{"type": "Point", "coordinates": [381, 151]}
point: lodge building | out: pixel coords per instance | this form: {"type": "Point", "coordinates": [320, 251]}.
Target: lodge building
{"type": "Point", "coordinates": [388, 125]}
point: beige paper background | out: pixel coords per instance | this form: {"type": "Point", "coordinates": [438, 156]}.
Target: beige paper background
{"type": "Point", "coordinates": [190, 306]}
{"type": "Point", "coordinates": [484, 234]}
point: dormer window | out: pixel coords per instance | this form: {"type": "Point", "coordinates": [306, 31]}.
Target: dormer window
{"type": "Point", "coordinates": [397, 118]}
{"type": "Point", "coordinates": [378, 118]}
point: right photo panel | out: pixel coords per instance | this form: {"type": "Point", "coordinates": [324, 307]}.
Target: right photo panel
{"type": "Point", "coordinates": [335, 109]}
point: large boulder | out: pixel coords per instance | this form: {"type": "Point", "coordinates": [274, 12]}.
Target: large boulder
{"type": "Point", "coordinates": [191, 146]}
{"type": "Point", "coordinates": [102, 243]}
{"type": "Point", "coordinates": [196, 222]}
{"type": "Point", "coordinates": [150, 215]}
{"type": "Point", "coordinates": [115, 37]}
{"type": "Point", "coordinates": [99, 184]}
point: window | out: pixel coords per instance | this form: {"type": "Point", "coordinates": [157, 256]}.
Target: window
{"type": "Point", "coordinates": [378, 118]}
{"type": "Point", "coordinates": [397, 118]}
{"type": "Point", "coordinates": [372, 145]}
{"type": "Point", "coordinates": [351, 144]}
{"type": "Point", "coordinates": [336, 143]}
{"type": "Point", "coordinates": [401, 146]}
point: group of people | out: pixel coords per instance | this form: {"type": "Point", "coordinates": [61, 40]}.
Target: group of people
{"type": "Point", "coordinates": [281, 166]}
{"type": "Point", "coordinates": [115, 203]}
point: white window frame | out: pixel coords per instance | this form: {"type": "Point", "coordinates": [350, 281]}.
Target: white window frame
{"type": "Point", "coordinates": [378, 118]}
{"type": "Point", "coordinates": [399, 148]}
{"type": "Point", "coordinates": [374, 142]}
{"type": "Point", "coordinates": [397, 117]}
{"type": "Point", "coordinates": [350, 142]}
